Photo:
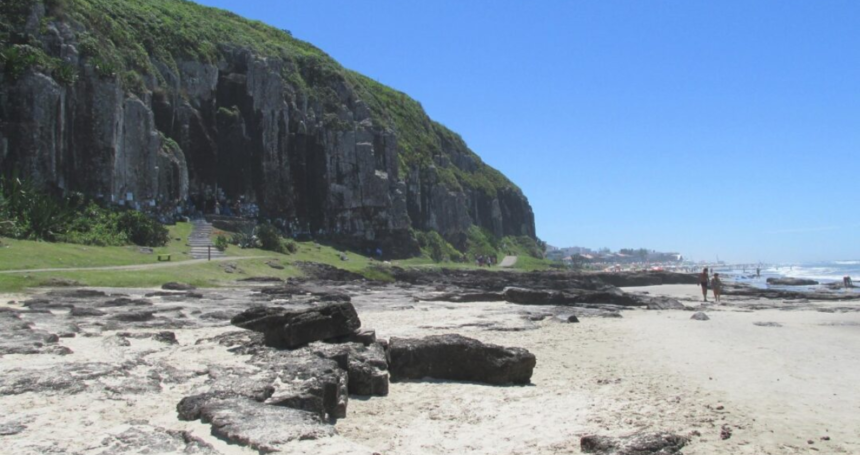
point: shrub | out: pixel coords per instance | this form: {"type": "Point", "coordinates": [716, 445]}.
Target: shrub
{"type": "Point", "coordinates": [65, 74]}
{"type": "Point", "coordinates": [94, 225]}
{"type": "Point", "coordinates": [291, 246]}
{"type": "Point", "coordinates": [221, 242]}
{"type": "Point", "coordinates": [27, 212]}
{"type": "Point", "coordinates": [246, 237]}
{"type": "Point", "coordinates": [270, 238]}
{"type": "Point", "coordinates": [34, 214]}
{"type": "Point", "coordinates": [142, 230]}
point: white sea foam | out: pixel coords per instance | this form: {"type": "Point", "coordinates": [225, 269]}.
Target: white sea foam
{"type": "Point", "coordinates": [826, 271]}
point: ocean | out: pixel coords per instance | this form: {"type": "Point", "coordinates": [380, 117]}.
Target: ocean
{"type": "Point", "coordinates": [823, 272]}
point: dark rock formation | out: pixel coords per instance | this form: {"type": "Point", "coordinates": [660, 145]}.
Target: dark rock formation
{"type": "Point", "coordinates": [332, 153]}
{"type": "Point", "coordinates": [316, 293]}
{"type": "Point", "coordinates": [791, 282]}
{"type": "Point", "coordinates": [124, 302]}
{"type": "Point", "coordinates": [646, 278]}
{"type": "Point", "coordinates": [20, 337]}
{"type": "Point", "coordinates": [458, 358]}
{"type": "Point", "coordinates": [639, 444]}
{"type": "Point", "coordinates": [572, 297]}
{"type": "Point", "coordinates": [663, 303]}
{"type": "Point", "coordinates": [533, 296]}
{"type": "Point", "coordinates": [134, 316]}
{"type": "Point", "coordinates": [750, 291]}
{"type": "Point", "coordinates": [366, 366]}
{"type": "Point", "coordinates": [291, 328]}
{"type": "Point", "coordinates": [86, 312]}
{"type": "Point", "coordinates": [173, 286]}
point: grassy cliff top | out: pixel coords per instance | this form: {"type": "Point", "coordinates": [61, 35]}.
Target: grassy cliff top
{"type": "Point", "coordinates": [123, 38]}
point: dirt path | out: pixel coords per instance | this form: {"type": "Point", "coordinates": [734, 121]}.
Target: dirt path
{"type": "Point", "coordinates": [158, 265]}
{"type": "Point", "coordinates": [508, 261]}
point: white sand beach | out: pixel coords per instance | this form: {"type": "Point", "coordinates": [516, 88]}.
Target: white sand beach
{"type": "Point", "coordinates": [775, 388]}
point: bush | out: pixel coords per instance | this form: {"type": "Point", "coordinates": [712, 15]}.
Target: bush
{"type": "Point", "coordinates": [94, 225]}
{"type": "Point", "coordinates": [35, 215]}
{"type": "Point", "coordinates": [221, 242]}
{"type": "Point", "coordinates": [246, 237]}
{"type": "Point", "coordinates": [270, 238]}
{"type": "Point", "coordinates": [291, 246]}
{"type": "Point", "coordinates": [29, 213]}
{"type": "Point", "coordinates": [142, 230]}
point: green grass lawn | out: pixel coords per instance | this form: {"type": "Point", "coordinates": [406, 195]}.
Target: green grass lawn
{"type": "Point", "coordinates": [209, 274]}
{"type": "Point", "coordinates": [28, 254]}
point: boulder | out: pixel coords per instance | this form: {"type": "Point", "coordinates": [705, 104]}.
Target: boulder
{"type": "Point", "coordinates": [287, 328]}
{"type": "Point", "coordinates": [366, 365]}
{"type": "Point", "coordinates": [458, 358]}
{"type": "Point", "coordinates": [84, 312]}
{"type": "Point", "coordinates": [567, 318]}
{"type": "Point", "coordinates": [791, 282]}
{"type": "Point", "coordinates": [174, 286]}
{"type": "Point", "coordinates": [663, 303]}
{"type": "Point", "coordinates": [533, 296]}
{"type": "Point", "coordinates": [363, 336]}
{"type": "Point", "coordinates": [77, 293]}
{"type": "Point", "coordinates": [699, 316]}
{"type": "Point", "coordinates": [134, 316]}
{"type": "Point", "coordinates": [261, 279]}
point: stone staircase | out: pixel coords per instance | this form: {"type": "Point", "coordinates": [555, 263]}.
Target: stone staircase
{"type": "Point", "coordinates": [201, 245]}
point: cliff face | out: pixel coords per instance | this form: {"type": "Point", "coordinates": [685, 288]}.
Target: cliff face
{"type": "Point", "coordinates": [115, 99]}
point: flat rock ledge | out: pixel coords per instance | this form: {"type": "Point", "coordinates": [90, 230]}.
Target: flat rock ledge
{"type": "Point", "coordinates": [571, 297]}
{"type": "Point", "coordinates": [638, 444]}
{"type": "Point", "coordinates": [791, 282]}
{"type": "Point", "coordinates": [458, 358]}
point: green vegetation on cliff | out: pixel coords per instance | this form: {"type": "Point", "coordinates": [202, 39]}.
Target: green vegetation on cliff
{"type": "Point", "coordinates": [27, 212]}
{"type": "Point", "coordinates": [124, 39]}
{"type": "Point", "coordinates": [478, 242]}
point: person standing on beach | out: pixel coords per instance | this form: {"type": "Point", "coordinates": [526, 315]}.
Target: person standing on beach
{"type": "Point", "coordinates": [703, 281]}
{"type": "Point", "coordinates": [717, 286]}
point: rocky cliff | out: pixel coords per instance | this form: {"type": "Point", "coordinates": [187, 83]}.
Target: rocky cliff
{"type": "Point", "coordinates": [153, 103]}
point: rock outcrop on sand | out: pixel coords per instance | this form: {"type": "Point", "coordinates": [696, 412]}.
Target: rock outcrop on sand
{"type": "Point", "coordinates": [94, 352]}
{"type": "Point", "coordinates": [780, 294]}
{"type": "Point", "coordinates": [291, 328]}
{"type": "Point", "coordinates": [785, 281]}
{"type": "Point", "coordinates": [639, 444]}
{"type": "Point", "coordinates": [458, 358]}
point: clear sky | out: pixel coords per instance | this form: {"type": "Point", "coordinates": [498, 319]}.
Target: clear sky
{"type": "Point", "coordinates": [727, 128]}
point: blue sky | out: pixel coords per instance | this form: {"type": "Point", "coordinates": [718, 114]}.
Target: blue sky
{"type": "Point", "coordinates": [727, 128]}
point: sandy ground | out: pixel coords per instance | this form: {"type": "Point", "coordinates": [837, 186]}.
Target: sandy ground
{"type": "Point", "coordinates": [775, 388]}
